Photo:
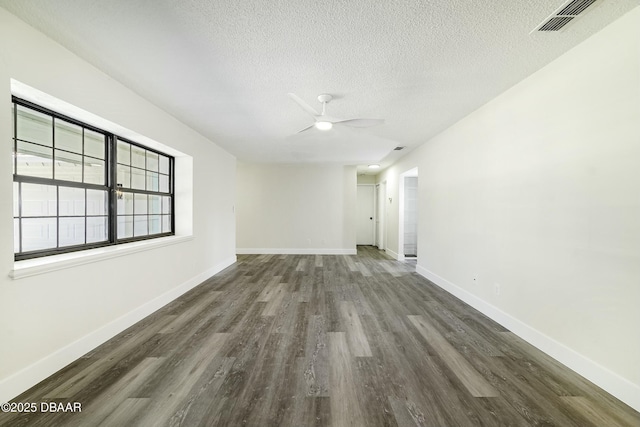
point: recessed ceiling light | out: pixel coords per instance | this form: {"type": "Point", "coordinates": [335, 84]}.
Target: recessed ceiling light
{"type": "Point", "coordinates": [374, 166]}
{"type": "Point", "coordinates": [324, 125]}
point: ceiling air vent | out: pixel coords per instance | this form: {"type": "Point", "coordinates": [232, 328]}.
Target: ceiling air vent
{"type": "Point", "coordinates": [556, 23]}
{"type": "Point", "coordinates": [398, 148]}
{"type": "Point", "coordinates": [565, 14]}
{"type": "Point", "coordinates": [575, 7]}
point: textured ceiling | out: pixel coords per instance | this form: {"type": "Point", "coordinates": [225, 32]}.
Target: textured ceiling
{"type": "Point", "coordinates": [225, 67]}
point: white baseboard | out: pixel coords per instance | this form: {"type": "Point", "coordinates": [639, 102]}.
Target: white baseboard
{"type": "Point", "coordinates": [609, 381]}
{"type": "Point", "coordinates": [26, 378]}
{"type": "Point", "coordinates": [393, 254]}
{"type": "Point", "coordinates": [295, 251]}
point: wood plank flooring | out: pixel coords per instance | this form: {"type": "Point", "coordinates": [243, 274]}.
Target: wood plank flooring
{"type": "Point", "coordinates": [310, 340]}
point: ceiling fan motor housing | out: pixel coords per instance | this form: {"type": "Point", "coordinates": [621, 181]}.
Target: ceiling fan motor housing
{"type": "Point", "coordinates": [324, 98]}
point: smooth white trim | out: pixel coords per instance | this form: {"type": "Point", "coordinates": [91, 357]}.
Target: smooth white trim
{"type": "Point", "coordinates": [26, 378]}
{"type": "Point", "coordinates": [295, 251]}
{"type": "Point", "coordinates": [613, 383]}
{"type": "Point", "coordinates": [31, 267]}
{"type": "Point", "coordinates": [394, 255]}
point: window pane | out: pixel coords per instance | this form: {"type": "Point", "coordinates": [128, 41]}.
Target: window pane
{"type": "Point", "coordinates": [71, 231]}
{"type": "Point", "coordinates": [164, 184]}
{"type": "Point", "coordinates": [96, 202]}
{"type": "Point", "coordinates": [155, 226]}
{"type": "Point", "coordinates": [68, 166]}
{"type": "Point", "coordinates": [16, 235]}
{"type": "Point", "coordinates": [38, 233]}
{"type": "Point", "coordinates": [96, 229]}
{"type": "Point", "coordinates": [124, 176]}
{"type": "Point", "coordinates": [34, 126]}
{"type": "Point", "coordinates": [164, 164]}
{"type": "Point", "coordinates": [39, 200]}
{"type": "Point", "coordinates": [166, 223]}
{"type": "Point", "coordinates": [93, 171]}
{"type": "Point", "coordinates": [124, 153]}
{"type": "Point", "coordinates": [152, 181]}
{"type": "Point", "coordinates": [137, 179]}
{"type": "Point", "coordinates": [34, 160]}
{"type": "Point", "coordinates": [71, 202]}
{"type": "Point", "coordinates": [93, 144]}
{"type": "Point", "coordinates": [137, 157]}
{"type": "Point", "coordinates": [166, 204]}
{"type": "Point", "coordinates": [155, 204]}
{"type": "Point", "coordinates": [125, 227]}
{"type": "Point", "coordinates": [68, 136]}
{"type": "Point", "coordinates": [140, 226]}
{"type": "Point", "coordinates": [125, 204]}
{"type": "Point", "coordinates": [140, 205]}
{"type": "Point", "coordinates": [16, 199]}
{"type": "Point", "coordinates": [152, 161]}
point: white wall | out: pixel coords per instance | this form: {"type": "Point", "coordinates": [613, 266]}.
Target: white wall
{"type": "Point", "coordinates": [296, 209]}
{"type": "Point", "coordinates": [49, 319]}
{"type": "Point", "coordinates": [366, 179]}
{"type": "Point", "coordinates": [538, 191]}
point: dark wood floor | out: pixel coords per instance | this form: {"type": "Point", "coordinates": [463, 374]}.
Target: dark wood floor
{"type": "Point", "coordinates": [316, 341]}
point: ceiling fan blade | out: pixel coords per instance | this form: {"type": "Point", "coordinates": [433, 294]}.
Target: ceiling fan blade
{"type": "Point", "coordinates": [361, 123]}
{"type": "Point", "coordinates": [306, 107]}
{"type": "Point", "coordinates": [307, 128]}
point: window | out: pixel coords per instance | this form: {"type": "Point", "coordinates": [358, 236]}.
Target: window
{"type": "Point", "coordinates": [144, 199]}
{"type": "Point", "coordinates": [78, 187]}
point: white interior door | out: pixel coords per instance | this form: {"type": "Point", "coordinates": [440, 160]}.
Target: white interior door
{"type": "Point", "coordinates": [366, 209]}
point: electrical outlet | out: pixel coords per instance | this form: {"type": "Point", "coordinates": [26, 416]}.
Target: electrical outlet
{"type": "Point", "coordinates": [496, 288]}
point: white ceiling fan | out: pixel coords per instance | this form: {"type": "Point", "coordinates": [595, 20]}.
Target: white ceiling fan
{"type": "Point", "coordinates": [326, 122]}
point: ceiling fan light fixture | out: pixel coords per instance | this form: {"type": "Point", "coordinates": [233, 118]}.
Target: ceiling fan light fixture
{"type": "Point", "coordinates": [323, 125]}
{"type": "Point", "coordinates": [324, 122]}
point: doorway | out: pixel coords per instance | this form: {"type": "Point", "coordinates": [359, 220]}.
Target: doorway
{"type": "Point", "coordinates": [408, 215]}
{"type": "Point", "coordinates": [366, 214]}
{"type": "Point", "coordinates": [381, 229]}
{"type": "Point", "coordinates": [411, 216]}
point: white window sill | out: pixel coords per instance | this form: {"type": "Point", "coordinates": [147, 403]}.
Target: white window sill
{"type": "Point", "coordinates": [31, 267]}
